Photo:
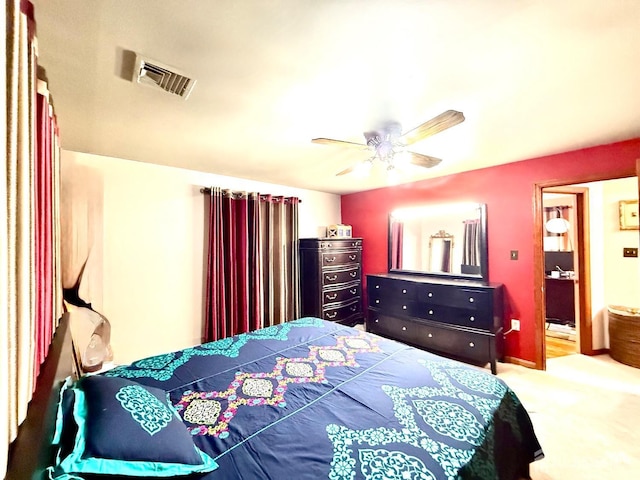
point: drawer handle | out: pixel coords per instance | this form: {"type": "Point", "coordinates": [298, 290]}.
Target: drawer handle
{"type": "Point", "coordinates": [331, 314]}
{"type": "Point", "coordinates": [377, 286]}
{"type": "Point", "coordinates": [404, 329]}
{"type": "Point", "coordinates": [377, 301]}
{"type": "Point", "coordinates": [430, 335]}
{"type": "Point", "coordinates": [353, 274]}
{"type": "Point", "coordinates": [404, 290]}
{"type": "Point", "coordinates": [329, 245]}
{"type": "Point", "coordinates": [404, 307]}
{"type": "Point", "coordinates": [331, 296]}
{"type": "Point", "coordinates": [353, 291]}
{"type": "Point", "coordinates": [430, 312]}
{"type": "Point", "coordinates": [355, 244]}
{"type": "Point", "coordinates": [473, 319]}
{"type": "Point", "coordinates": [429, 294]}
{"type": "Point", "coordinates": [375, 321]}
{"type": "Point", "coordinates": [471, 300]}
{"type": "Point", "coordinates": [471, 344]}
{"type": "Point", "coordinates": [329, 260]}
{"type": "Point", "coordinates": [352, 257]}
{"type": "Point", "coordinates": [353, 308]}
{"type": "Point", "coordinates": [331, 278]}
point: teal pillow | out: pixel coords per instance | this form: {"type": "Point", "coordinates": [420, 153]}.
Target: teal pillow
{"type": "Point", "coordinates": [124, 428]}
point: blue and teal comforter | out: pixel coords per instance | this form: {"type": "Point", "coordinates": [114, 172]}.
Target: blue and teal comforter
{"type": "Point", "coordinates": [311, 399]}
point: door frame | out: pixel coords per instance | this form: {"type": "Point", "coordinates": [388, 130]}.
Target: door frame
{"type": "Point", "coordinates": [586, 340]}
{"type": "Point", "coordinates": [585, 327]}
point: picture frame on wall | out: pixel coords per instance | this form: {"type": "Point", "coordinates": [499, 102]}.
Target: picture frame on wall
{"type": "Point", "coordinates": [629, 215]}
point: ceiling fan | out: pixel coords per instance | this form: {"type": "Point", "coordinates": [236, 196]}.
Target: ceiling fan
{"type": "Point", "coordinates": [388, 141]}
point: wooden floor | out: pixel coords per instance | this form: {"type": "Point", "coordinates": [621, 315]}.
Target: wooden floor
{"type": "Point", "coordinates": [559, 347]}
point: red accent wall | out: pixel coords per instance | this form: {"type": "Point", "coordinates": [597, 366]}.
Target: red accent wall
{"type": "Point", "coordinates": [508, 192]}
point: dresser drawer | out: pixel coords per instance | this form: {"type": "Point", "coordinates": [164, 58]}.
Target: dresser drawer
{"type": "Point", "coordinates": [390, 289]}
{"type": "Point", "coordinates": [332, 259]}
{"type": "Point", "coordinates": [342, 294]}
{"type": "Point", "coordinates": [397, 305]}
{"type": "Point", "coordinates": [398, 329]}
{"type": "Point", "coordinates": [341, 275]}
{"type": "Point", "coordinates": [467, 298]}
{"type": "Point", "coordinates": [341, 243]}
{"type": "Point", "coordinates": [339, 313]}
{"type": "Point", "coordinates": [454, 316]}
{"type": "Point", "coordinates": [465, 344]}
{"type": "Point", "coordinates": [461, 343]}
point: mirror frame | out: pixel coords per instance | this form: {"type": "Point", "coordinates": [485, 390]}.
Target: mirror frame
{"type": "Point", "coordinates": [483, 276]}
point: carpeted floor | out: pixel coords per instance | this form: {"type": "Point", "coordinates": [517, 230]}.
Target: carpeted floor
{"type": "Point", "coordinates": [586, 413]}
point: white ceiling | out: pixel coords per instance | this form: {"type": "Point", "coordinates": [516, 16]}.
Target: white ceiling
{"type": "Point", "coordinates": [533, 77]}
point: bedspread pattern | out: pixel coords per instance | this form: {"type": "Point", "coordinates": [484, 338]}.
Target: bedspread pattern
{"type": "Point", "coordinates": [202, 409]}
{"type": "Point", "coordinates": [414, 407]}
{"type": "Point", "coordinates": [313, 399]}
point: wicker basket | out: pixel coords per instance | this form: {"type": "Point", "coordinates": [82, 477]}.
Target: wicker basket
{"type": "Point", "coordinates": [624, 335]}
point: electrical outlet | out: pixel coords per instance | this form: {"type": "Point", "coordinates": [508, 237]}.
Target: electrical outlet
{"type": "Point", "coordinates": [629, 252]}
{"type": "Point", "coordinates": [514, 254]}
{"type": "Point", "coordinates": [515, 324]}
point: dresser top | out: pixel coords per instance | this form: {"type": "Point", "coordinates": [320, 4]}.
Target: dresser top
{"type": "Point", "coordinates": [324, 239]}
{"type": "Point", "coordinates": [331, 242]}
{"type": "Point", "coordinates": [437, 280]}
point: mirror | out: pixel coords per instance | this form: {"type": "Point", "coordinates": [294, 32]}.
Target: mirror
{"type": "Point", "coordinates": [440, 240]}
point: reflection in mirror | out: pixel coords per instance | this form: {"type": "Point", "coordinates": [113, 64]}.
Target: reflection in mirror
{"type": "Point", "coordinates": [446, 240]}
{"type": "Point", "coordinates": [440, 251]}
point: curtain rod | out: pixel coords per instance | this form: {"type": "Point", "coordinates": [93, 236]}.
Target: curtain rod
{"type": "Point", "coordinates": [558, 207]}
{"type": "Point", "coordinates": [262, 196]}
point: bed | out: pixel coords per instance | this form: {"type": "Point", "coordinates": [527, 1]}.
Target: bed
{"type": "Point", "coordinates": [305, 399]}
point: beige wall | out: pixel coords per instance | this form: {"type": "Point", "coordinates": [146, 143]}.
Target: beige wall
{"type": "Point", "coordinates": [622, 274]}
{"type": "Point", "coordinates": [152, 246]}
{"type": "Point", "coordinates": [615, 280]}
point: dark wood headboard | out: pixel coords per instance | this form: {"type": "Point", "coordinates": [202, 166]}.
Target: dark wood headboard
{"type": "Point", "coordinates": [31, 452]}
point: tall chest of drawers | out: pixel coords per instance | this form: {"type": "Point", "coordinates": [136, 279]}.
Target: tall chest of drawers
{"type": "Point", "coordinates": [456, 318]}
{"type": "Point", "coordinates": [331, 279]}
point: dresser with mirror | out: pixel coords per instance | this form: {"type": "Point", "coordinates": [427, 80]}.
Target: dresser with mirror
{"type": "Point", "coordinates": [436, 294]}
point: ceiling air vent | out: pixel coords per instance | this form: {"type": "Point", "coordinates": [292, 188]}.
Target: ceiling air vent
{"type": "Point", "coordinates": [155, 74]}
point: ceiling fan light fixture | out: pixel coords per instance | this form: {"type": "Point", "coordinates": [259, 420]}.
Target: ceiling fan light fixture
{"type": "Point", "coordinates": [402, 158]}
{"type": "Point", "coordinates": [393, 175]}
{"type": "Point", "coordinates": [388, 142]}
{"type": "Point", "coordinates": [364, 169]}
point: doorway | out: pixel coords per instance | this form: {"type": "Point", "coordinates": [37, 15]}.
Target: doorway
{"type": "Point", "coordinates": [561, 247]}
{"type": "Point", "coordinates": [569, 291]}
{"type": "Point", "coordinates": [605, 276]}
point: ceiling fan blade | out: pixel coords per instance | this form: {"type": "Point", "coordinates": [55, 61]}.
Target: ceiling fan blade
{"type": "Point", "coordinates": [329, 141]}
{"type": "Point", "coordinates": [436, 125]}
{"type": "Point", "coordinates": [347, 170]}
{"type": "Point", "coordinates": [423, 160]}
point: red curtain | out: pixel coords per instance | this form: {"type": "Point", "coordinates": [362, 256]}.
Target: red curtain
{"type": "Point", "coordinates": [46, 156]}
{"type": "Point", "coordinates": [233, 269]}
{"type": "Point", "coordinates": [397, 233]}
{"type": "Point", "coordinates": [252, 265]}
{"type": "Point", "coordinates": [471, 242]}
